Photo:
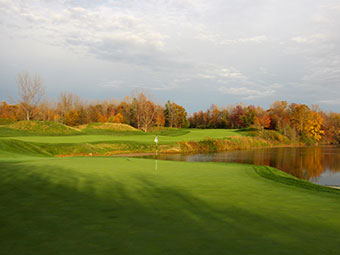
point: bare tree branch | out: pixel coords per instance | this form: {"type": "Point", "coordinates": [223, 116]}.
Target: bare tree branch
{"type": "Point", "coordinates": [31, 91]}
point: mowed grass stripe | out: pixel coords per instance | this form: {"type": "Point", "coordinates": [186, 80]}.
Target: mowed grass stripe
{"type": "Point", "coordinates": [164, 137]}
{"type": "Point", "coordinates": [126, 206]}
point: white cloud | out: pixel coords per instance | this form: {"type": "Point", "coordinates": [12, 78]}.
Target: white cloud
{"type": "Point", "coordinates": [309, 39]}
{"type": "Point", "coordinates": [112, 84]}
{"type": "Point", "coordinates": [231, 73]}
{"type": "Point", "coordinates": [221, 73]}
{"type": "Point", "coordinates": [219, 39]}
{"type": "Point", "coordinates": [330, 102]}
{"type": "Point", "coordinates": [246, 93]}
{"type": "Point", "coordinates": [85, 29]}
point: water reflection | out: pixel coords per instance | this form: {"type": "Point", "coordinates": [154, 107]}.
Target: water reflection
{"type": "Point", "coordinates": [316, 164]}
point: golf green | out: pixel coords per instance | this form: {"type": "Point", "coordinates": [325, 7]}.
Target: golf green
{"type": "Point", "coordinates": [98, 205]}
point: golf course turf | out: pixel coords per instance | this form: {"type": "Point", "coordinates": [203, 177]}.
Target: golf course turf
{"type": "Point", "coordinates": [98, 205]}
{"type": "Point", "coordinates": [111, 205]}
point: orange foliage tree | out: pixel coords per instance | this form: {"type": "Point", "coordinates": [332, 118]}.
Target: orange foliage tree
{"type": "Point", "coordinates": [262, 119]}
{"type": "Point", "coordinates": [71, 118]}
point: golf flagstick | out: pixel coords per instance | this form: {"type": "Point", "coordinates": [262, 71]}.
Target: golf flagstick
{"type": "Point", "coordinates": [156, 141]}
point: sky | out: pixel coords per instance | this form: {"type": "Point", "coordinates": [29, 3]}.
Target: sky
{"type": "Point", "coordinates": [195, 53]}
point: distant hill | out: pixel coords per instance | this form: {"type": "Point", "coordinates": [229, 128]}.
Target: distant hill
{"type": "Point", "coordinates": [42, 128]}
{"type": "Point", "coordinates": [106, 127]}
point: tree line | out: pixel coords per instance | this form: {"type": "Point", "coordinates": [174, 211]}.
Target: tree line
{"type": "Point", "coordinates": [138, 110]}
{"type": "Point", "coordinates": [297, 121]}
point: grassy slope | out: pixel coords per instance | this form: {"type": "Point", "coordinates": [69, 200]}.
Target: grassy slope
{"type": "Point", "coordinates": [148, 138]}
{"type": "Point", "coordinates": [125, 206]}
{"type": "Point", "coordinates": [36, 128]}
{"type": "Point", "coordinates": [97, 141]}
{"type": "Point", "coordinates": [49, 138]}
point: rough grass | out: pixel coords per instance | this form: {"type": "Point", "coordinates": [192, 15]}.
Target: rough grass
{"type": "Point", "coordinates": [4, 121]}
{"type": "Point", "coordinates": [254, 139]}
{"type": "Point", "coordinates": [126, 206]}
{"type": "Point", "coordinates": [41, 128]}
{"type": "Point", "coordinates": [108, 126]}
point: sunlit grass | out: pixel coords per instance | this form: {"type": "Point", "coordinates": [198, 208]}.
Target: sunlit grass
{"type": "Point", "coordinates": [128, 206]}
{"type": "Point", "coordinates": [148, 138]}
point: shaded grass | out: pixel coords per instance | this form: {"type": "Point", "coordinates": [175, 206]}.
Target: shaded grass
{"type": "Point", "coordinates": [125, 206]}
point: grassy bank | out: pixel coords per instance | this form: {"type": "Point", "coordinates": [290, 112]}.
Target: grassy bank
{"type": "Point", "coordinates": [253, 139]}
{"type": "Point", "coordinates": [49, 138]}
{"type": "Point", "coordinates": [127, 206]}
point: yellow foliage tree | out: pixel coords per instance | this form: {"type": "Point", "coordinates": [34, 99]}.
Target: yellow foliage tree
{"type": "Point", "coordinates": [313, 127]}
{"type": "Point", "coordinates": [71, 118]}
{"type": "Point", "coordinates": [307, 122]}
{"type": "Point", "coordinates": [118, 118]}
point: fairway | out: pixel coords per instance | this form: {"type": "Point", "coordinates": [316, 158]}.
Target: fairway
{"type": "Point", "coordinates": [164, 137]}
{"type": "Point", "coordinates": [101, 205]}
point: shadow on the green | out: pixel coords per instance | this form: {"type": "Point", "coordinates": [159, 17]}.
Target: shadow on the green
{"type": "Point", "coordinates": [49, 211]}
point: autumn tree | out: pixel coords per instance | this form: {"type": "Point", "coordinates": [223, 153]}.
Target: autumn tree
{"type": "Point", "coordinates": [67, 102]}
{"type": "Point", "coordinates": [196, 119]}
{"type": "Point", "coordinates": [262, 119]}
{"type": "Point", "coordinates": [332, 125]}
{"type": "Point", "coordinates": [145, 112]}
{"type": "Point", "coordinates": [46, 111]}
{"type": "Point", "coordinates": [175, 115]}
{"type": "Point", "coordinates": [125, 109]}
{"type": "Point", "coordinates": [160, 118]}
{"type": "Point", "coordinates": [71, 118]}
{"type": "Point", "coordinates": [280, 120]}
{"type": "Point", "coordinates": [9, 111]}
{"type": "Point", "coordinates": [118, 118]}
{"type": "Point", "coordinates": [314, 126]}
{"type": "Point", "coordinates": [248, 116]}
{"type": "Point", "coordinates": [308, 123]}
{"type": "Point", "coordinates": [216, 117]}
{"type": "Point", "coordinates": [31, 91]}
{"type": "Point", "coordinates": [300, 113]}
{"type": "Point", "coordinates": [236, 119]}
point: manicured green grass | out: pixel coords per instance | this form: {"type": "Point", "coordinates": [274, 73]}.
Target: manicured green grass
{"type": "Point", "coordinates": [98, 205]}
{"type": "Point", "coordinates": [126, 206]}
{"type": "Point", "coordinates": [104, 144]}
{"type": "Point", "coordinates": [170, 136]}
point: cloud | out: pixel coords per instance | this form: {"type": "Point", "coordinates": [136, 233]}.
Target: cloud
{"type": "Point", "coordinates": [309, 39]}
{"type": "Point", "coordinates": [246, 93]}
{"type": "Point", "coordinates": [101, 31]}
{"type": "Point", "coordinates": [330, 102]}
{"type": "Point", "coordinates": [232, 50]}
{"type": "Point", "coordinates": [112, 84]}
{"type": "Point", "coordinates": [221, 74]}
{"type": "Point", "coordinates": [219, 39]}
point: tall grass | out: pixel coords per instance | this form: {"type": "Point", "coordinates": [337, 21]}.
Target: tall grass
{"type": "Point", "coordinates": [255, 139]}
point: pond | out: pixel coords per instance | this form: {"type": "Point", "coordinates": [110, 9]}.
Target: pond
{"type": "Point", "coordinates": [316, 164]}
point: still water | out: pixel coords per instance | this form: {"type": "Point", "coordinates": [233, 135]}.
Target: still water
{"type": "Point", "coordinates": [316, 164]}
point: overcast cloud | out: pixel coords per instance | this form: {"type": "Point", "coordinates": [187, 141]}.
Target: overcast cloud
{"type": "Point", "coordinates": [193, 52]}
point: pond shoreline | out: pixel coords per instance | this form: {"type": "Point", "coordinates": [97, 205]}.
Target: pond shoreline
{"type": "Point", "coordinates": [170, 152]}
